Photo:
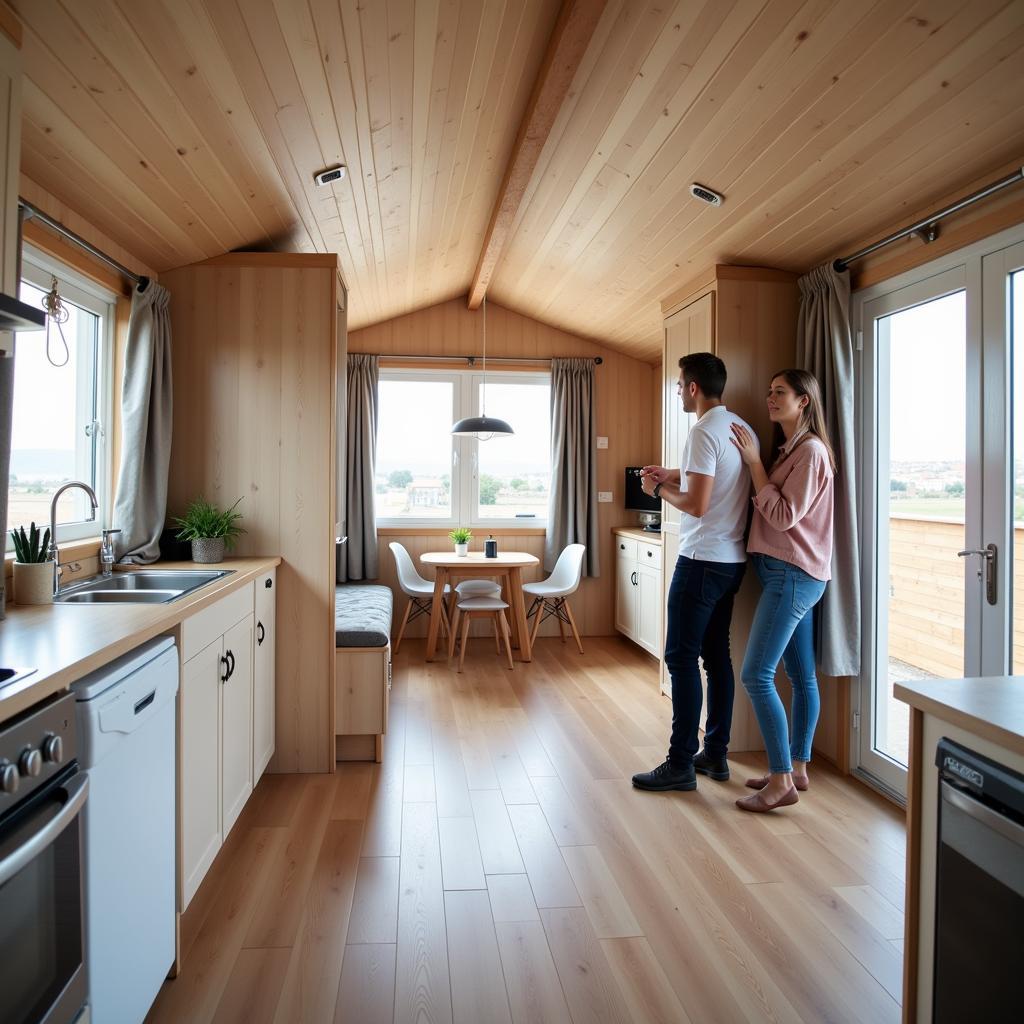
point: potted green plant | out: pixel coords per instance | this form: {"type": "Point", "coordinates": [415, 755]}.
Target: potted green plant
{"type": "Point", "coordinates": [33, 567]}
{"type": "Point", "coordinates": [461, 537]}
{"type": "Point", "coordinates": [209, 529]}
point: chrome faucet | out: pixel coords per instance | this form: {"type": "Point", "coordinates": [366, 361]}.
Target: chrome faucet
{"type": "Point", "coordinates": [107, 556]}
{"type": "Point", "coordinates": [54, 551]}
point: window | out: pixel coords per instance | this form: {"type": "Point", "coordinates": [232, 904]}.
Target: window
{"type": "Point", "coordinates": [427, 477]}
{"type": "Point", "coordinates": [62, 411]}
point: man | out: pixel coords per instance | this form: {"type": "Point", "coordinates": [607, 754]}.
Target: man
{"type": "Point", "coordinates": [711, 490]}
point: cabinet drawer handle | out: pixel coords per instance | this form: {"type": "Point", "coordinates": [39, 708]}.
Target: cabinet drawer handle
{"type": "Point", "coordinates": [268, 584]}
{"type": "Point", "coordinates": [227, 668]}
{"type": "Point", "coordinates": [261, 634]}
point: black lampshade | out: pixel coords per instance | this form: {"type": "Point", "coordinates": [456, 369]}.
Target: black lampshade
{"type": "Point", "coordinates": [483, 428]}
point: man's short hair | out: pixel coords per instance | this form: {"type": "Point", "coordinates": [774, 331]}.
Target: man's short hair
{"type": "Point", "coordinates": [705, 370]}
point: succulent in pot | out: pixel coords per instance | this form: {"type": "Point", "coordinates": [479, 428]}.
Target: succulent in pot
{"type": "Point", "coordinates": [460, 537]}
{"type": "Point", "coordinates": [33, 568]}
{"type": "Point", "coordinates": [210, 529]}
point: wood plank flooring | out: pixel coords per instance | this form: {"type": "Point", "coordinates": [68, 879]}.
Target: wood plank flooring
{"type": "Point", "coordinates": [498, 866]}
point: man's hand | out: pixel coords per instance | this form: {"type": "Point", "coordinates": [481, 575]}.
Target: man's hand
{"type": "Point", "coordinates": [648, 481]}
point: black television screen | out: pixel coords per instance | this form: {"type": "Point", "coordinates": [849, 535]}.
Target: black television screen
{"type": "Point", "coordinates": [636, 500]}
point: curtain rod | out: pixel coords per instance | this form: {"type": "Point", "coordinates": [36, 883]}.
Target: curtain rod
{"type": "Point", "coordinates": [29, 210]}
{"type": "Point", "coordinates": [929, 225]}
{"type": "Point", "coordinates": [472, 360]}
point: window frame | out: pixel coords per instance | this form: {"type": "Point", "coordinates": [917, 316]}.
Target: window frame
{"type": "Point", "coordinates": [37, 269]}
{"type": "Point", "coordinates": [465, 475]}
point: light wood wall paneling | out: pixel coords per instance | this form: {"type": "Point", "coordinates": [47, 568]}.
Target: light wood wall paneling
{"type": "Point", "coordinates": [254, 358]}
{"type": "Point", "coordinates": [623, 387]}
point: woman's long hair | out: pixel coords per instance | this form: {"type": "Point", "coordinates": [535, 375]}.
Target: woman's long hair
{"type": "Point", "coordinates": [813, 418]}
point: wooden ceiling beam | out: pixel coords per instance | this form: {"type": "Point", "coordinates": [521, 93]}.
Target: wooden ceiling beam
{"type": "Point", "coordinates": [572, 34]}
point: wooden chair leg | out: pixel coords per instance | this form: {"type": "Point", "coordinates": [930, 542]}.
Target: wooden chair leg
{"type": "Point", "coordinates": [453, 632]}
{"type": "Point", "coordinates": [401, 628]}
{"type": "Point", "coordinates": [536, 623]}
{"type": "Point", "coordinates": [497, 636]}
{"type": "Point", "coordinates": [446, 626]}
{"type": "Point", "coordinates": [572, 623]}
{"type": "Point", "coordinates": [559, 601]}
{"type": "Point", "coordinates": [465, 637]}
{"type": "Point", "coordinates": [508, 640]}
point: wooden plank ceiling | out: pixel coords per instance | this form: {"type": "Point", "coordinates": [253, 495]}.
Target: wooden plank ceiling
{"type": "Point", "coordinates": [185, 128]}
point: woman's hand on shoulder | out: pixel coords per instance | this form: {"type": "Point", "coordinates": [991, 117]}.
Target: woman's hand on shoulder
{"type": "Point", "coordinates": [746, 444]}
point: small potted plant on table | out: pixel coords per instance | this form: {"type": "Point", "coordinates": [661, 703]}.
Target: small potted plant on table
{"type": "Point", "coordinates": [461, 537]}
{"type": "Point", "coordinates": [33, 567]}
{"type": "Point", "coordinates": [209, 529]}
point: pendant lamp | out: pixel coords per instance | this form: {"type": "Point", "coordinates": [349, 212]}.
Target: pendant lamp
{"type": "Point", "coordinates": [483, 427]}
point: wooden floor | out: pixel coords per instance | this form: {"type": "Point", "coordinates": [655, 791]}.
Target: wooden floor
{"type": "Point", "coordinates": [498, 866]}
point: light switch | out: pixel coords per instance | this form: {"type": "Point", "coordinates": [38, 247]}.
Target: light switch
{"type": "Point", "coordinates": [602, 442]}
{"type": "Point", "coordinates": [605, 496]}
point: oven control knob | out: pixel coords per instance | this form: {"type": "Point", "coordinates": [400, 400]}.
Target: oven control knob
{"type": "Point", "coordinates": [53, 749]}
{"type": "Point", "coordinates": [30, 764]}
{"type": "Point", "coordinates": [9, 780]}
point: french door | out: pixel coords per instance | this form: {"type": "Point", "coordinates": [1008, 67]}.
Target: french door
{"type": "Point", "coordinates": [942, 486]}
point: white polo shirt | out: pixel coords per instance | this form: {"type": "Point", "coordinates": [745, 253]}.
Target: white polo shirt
{"type": "Point", "coordinates": [717, 536]}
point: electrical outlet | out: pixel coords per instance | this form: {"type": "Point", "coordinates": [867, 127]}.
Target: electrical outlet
{"type": "Point", "coordinates": [605, 496]}
{"type": "Point", "coordinates": [602, 442]}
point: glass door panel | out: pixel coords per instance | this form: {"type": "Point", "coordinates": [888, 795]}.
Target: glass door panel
{"type": "Point", "coordinates": [920, 504]}
{"type": "Point", "coordinates": [1015, 330]}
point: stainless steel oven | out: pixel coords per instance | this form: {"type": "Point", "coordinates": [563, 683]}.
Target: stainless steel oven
{"type": "Point", "coordinates": [42, 793]}
{"type": "Point", "coordinates": [979, 896]}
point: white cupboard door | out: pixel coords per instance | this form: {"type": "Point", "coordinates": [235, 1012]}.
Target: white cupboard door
{"type": "Point", "coordinates": [199, 767]}
{"type": "Point", "coordinates": [263, 711]}
{"type": "Point", "coordinates": [236, 720]}
{"type": "Point", "coordinates": [648, 608]}
{"type": "Point", "coordinates": [625, 595]}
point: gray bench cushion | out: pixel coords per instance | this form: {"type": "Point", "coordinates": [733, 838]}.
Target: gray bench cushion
{"type": "Point", "coordinates": [362, 615]}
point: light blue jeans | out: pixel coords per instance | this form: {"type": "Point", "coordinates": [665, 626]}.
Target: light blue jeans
{"type": "Point", "coordinates": [783, 627]}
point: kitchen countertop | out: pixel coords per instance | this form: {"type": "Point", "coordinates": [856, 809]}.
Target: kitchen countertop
{"type": "Point", "coordinates": [636, 533]}
{"type": "Point", "coordinates": [991, 707]}
{"type": "Point", "coordinates": [64, 642]}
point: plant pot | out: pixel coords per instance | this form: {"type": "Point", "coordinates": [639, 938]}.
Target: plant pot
{"type": "Point", "coordinates": [33, 582]}
{"type": "Point", "coordinates": [462, 550]}
{"type": "Point", "coordinates": [208, 550]}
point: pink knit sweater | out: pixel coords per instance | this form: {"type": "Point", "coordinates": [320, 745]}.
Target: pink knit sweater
{"type": "Point", "coordinates": [793, 511]}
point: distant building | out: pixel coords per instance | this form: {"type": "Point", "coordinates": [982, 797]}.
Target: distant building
{"type": "Point", "coordinates": [425, 493]}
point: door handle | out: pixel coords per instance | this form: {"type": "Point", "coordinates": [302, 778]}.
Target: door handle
{"type": "Point", "coordinates": [632, 578]}
{"type": "Point", "coordinates": [991, 555]}
{"type": "Point", "coordinates": [227, 670]}
{"type": "Point", "coordinates": [261, 634]}
{"type": "Point", "coordinates": [231, 665]}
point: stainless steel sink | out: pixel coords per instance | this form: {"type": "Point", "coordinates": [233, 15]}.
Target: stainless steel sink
{"type": "Point", "coordinates": [157, 586]}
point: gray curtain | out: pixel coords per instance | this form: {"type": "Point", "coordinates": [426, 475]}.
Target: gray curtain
{"type": "Point", "coordinates": [824, 346]}
{"type": "Point", "coordinates": [146, 423]}
{"type": "Point", "coordinates": [572, 506]}
{"type": "Point", "coordinates": [6, 418]}
{"type": "Point", "coordinates": [357, 560]}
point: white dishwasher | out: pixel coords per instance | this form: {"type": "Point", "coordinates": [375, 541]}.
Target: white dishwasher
{"type": "Point", "coordinates": [127, 747]}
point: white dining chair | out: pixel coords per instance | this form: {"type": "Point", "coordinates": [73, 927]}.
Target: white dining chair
{"type": "Point", "coordinates": [550, 597]}
{"type": "Point", "coordinates": [419, 591]}
{"type": "Point", "coordinates": [491, 606]}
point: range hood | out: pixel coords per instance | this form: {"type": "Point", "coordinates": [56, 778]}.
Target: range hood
{"type": "Point", "coordinates": [20, 316]}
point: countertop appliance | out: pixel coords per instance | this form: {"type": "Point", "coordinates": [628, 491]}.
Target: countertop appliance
{"type": "Point", "coordinates": [979, 897]}
{"type": "Point", "coordinates": [42, 794]}
{"type": "Point", "coordinates": [648, 506]}
{"type": "Point", "coordinates": [127, 748]}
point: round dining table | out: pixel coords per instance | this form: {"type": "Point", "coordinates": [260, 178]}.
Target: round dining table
{"type": "Point", "coordinates": [507, 566]}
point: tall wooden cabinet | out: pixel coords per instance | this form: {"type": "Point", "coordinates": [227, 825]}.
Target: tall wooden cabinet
{"type": "Point", "coordinates": [254, 343]}
{"type": "Point", "coordinates": [746, 316]}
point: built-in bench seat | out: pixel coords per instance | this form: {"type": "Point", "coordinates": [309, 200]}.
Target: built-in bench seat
{"type": "Point", "coordinates": [362, 669]}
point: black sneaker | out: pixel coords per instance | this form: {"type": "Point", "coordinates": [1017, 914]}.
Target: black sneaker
{"type": "Point", "coordinates": [716, 768]}
{"type": "Point", "coordinates": [666, 776]}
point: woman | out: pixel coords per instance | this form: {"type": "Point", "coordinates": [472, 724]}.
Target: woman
{"type": "Point", "coordinates": [791, 548]}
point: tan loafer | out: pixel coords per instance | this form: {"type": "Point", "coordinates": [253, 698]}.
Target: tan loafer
{"type": "Point", "coordinates": [757, 803]}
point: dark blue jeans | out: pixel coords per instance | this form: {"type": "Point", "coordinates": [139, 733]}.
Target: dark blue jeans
{"type": "Point", "coordinates": [700, 603]}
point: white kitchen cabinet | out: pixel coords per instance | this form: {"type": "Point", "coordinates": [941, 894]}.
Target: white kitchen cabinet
{"type": "Point", "coordinates": [199, 837]}
{"type": "Point", "coordinates": [220, 723]}
{"type": "Point", "coordinates": [638, 593]}
{"type": "Point", "coordinates": [263, 687]}
{"type": "Point", "coordinates": [236, 722]}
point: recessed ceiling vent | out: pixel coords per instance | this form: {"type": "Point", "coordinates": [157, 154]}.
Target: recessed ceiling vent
{"type": "Point", "coordinates": [706, 195]}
